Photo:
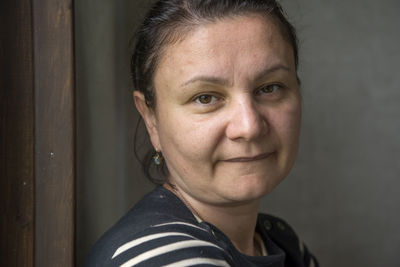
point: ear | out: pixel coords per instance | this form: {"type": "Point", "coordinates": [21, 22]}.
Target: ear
{"type": "Point", "coordinates": [149, 118]}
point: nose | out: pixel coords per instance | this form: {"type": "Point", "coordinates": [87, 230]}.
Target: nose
{"type": "Point", "coordinates": [246, 121]}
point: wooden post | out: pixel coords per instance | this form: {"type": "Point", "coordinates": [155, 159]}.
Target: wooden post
{"type": "Point", "coordinates": [54, 132]}
{"type": "Point", "coordinates": [37, 133]}
{"type": "Point", "coordinates": [16, 135]}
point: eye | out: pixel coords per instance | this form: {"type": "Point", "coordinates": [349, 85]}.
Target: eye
{"type": "Point", "coordinates": [269, 89]}
{"type": "Point", "coordinates": [205, 99]}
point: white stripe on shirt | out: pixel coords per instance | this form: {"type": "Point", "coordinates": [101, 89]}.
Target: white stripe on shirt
{"type": "Point", "coordinates": [168, 248]}
{"type": "Point", "coordinates": [197, 261]}
{"type": "Point", "coordinates": [180, 223]}
{"type": "Point", "coordinates": [144, 239]}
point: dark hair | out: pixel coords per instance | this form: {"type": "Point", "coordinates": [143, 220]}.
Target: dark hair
{"type": "Point", "coordinates": [168, 21]}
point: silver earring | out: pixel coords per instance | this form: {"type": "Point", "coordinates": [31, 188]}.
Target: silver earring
{"type": "Point", "coordinates": [158, 158]}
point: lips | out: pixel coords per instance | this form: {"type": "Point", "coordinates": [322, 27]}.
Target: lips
{"type": "Point", "coordinates": [249, 159]}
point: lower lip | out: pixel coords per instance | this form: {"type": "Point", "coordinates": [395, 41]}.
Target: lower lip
{"type": "Point", "coordinates": [260, 157]}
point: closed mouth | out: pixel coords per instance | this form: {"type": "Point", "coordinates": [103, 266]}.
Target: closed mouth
{"type": "Point", "coordinates": [248, 159]}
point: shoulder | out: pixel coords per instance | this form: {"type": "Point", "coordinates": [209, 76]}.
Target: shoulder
{"type": "Point", "coordinates": [152, 234]}
{"type": "Point", "coordinates": [283, 235]}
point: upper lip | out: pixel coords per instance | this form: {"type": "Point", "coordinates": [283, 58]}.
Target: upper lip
{"type": "Point", "coordinates": [249, 158]}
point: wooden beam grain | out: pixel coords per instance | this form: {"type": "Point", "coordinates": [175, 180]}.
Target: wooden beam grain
{"type": "Point", "coordinates": [16, 134]}
{"type": "Point", "coordinates": [54, 132]}
{"type": "Point", "coordinates": [37, 136]}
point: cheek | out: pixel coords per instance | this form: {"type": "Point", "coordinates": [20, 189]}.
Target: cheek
{"type": "Point", "coordinates": [188, 136]}
{"type": "Point", "coordinates": [286, 121]}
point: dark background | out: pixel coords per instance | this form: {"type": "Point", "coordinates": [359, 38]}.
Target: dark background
{"type": "Point", "coordinates": [343, 195]}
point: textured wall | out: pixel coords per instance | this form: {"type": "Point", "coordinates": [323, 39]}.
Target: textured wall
{"type": "Point", "coordinates": [343, 193]}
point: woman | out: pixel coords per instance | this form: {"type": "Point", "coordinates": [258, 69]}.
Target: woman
{"type": "Point", "coordinates": [216, 85]}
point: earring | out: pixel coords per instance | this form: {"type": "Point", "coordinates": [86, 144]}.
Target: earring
{"type": "Point", "coordinates": [158, 158]}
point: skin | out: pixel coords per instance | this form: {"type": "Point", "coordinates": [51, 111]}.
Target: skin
{"type": "Point", "coordinates": [227, 119]}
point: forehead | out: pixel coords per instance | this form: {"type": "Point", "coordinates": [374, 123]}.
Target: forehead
{"type": "Point", "coordinates": [220, 47]}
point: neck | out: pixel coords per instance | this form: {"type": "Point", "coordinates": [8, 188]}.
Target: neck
{"type": "Point", "coordinates": [237, 222]}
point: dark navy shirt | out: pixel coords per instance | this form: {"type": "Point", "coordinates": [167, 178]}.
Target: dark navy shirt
{"type": "Point", "coordinates": [161, 231]}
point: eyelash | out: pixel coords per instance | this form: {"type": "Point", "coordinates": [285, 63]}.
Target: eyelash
{"type": "Point", "coordinates": [213, 99]}
{"type": "Point", "coordinates": [275, 87]}
{"type": "Point", "coordinates": [260, 89]}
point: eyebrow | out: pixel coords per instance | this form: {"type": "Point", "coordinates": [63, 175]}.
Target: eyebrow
{"type": "Point", "coordinates": [208, 79]}
{"type": "Point", "coordinates": [272, 69]}
{"type": "Point", "coordinates": [222, 81]}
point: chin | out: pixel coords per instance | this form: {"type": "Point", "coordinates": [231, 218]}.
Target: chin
{"type": "Point", "coordinates": [253, 188]}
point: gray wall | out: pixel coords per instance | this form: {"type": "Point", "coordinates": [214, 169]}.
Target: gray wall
{"type": "Point", "coordinates": [109, 180]}
{"type": "Point", "coordinates": [342, 195]}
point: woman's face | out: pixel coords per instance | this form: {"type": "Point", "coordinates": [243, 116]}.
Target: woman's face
{"type": "Point", "coordinates": [228, 110]}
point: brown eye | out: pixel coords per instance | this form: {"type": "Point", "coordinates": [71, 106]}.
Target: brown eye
{"type": "Point", "coordinates": [205, 99]}
{"type": "Point", "coordinates": [268, 89]}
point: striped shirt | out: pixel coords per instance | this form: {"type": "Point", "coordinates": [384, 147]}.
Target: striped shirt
{"type": "Point", "coordinates": [161, 231]}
